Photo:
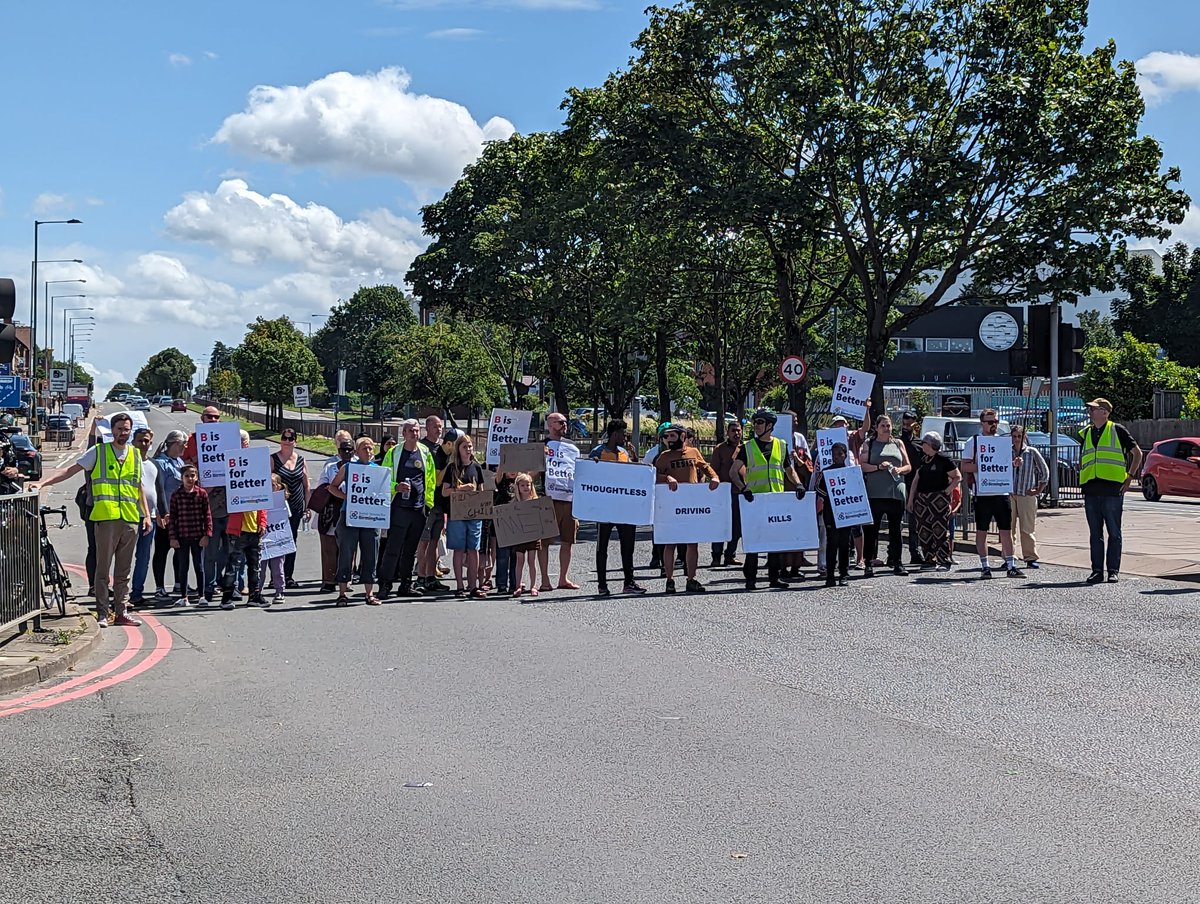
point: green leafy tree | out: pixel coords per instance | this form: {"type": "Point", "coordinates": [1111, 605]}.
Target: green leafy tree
{"type": "Point", "coordinates": [117, 389]}
{"type": "Point", "coordinates": [1163, 308]}
{"type": "Point", "coordinates": [221, 357]}
{"type": "Point", "coordinates": [1098, 330]}
{"type": "Point", "coordinates": [1129, 373]}
{"type": "Point", "coordinates": [272, 358]}
{"type": "Point", "coordinates": [169, 370]}
{"type": "Point", "coordinates": [440, 366]}
{"type": "Point", "coordinates": [225, 384]}
{"type": "Point", "coordinates": [344, 338]}
{"type": "Point", "coordinates": [931, 140]}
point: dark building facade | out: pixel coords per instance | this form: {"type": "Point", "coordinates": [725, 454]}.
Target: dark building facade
{"type": "Point", "coordinates": [962, 345]}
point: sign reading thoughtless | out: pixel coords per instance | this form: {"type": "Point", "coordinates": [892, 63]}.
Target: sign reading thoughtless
{"type": "Point", "coordinates": [611, 492]}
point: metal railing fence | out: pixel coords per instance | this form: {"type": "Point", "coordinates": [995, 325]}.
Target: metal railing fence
{"type": "Point", "coordinates": [20, 560]}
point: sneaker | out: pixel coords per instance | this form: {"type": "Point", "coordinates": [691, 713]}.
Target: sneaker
{"type": "Point", "coordinates": [435, 586]}
{"type": "Point", "coordinates": [715, 563]}
{"type": "Point", "coordinates": [779, 585]}
{"type": "Point", "coordinates": [694, 586]}
{"type": "Point", "coordinates": [265, 603]}
{"type": "Point", "coordinates": [203, 603]}
{"type": "Point", "coordinates": [105, 622]}
{"type": "Point", "coordinates": [1096, 577]}
{"type": "Point", "coordinates": [161, 594]}
{"type": "Point", "coordinates": [126, 621]}
{"type": "Point", "coordinates": [928, 565]}
{"type": "Point", "coordinates": [227, 604]}
{"type": "Point", "coordinates": [1034, 564]}
{"type": "Point", "coordinates": [279, 597]}
{"type": "Point", "coordinates": [670, 585]}
{"type": "Point", "coordinates": [900, 571]}
{"type": "Point", "coordinates": [237, 596]}
{"type": "Point", "coordinates": [732, 563]}
{"type": "Point", "coordinates": [183, 601]}
{"type": "Point", "coordinates": [843, 582]}
{"type": "Point", "coordinates": [1113, 577]}
{"type": "Point", "coordinates": [328, 588]}
{"type": "Point", "coordinates": [1015, 572]}
{"type": "Point", "coordinates": [290, 584]}
{"type": "Point", "coordinates": [941, 567]}
{"type": "Point", "coordinates": [603, 590]}
{"type": "Point", "coordinates": [411, 593]}
{"type": "Point", "coordinates": [633, 588]}
{"type": "Point", "coordinates": [985, 574]}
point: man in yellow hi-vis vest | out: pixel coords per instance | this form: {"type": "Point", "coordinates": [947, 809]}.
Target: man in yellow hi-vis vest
{"type": "Point", "coordinates": [119, 511]}
{"type": "Point", "coordinates": [1109, 459]}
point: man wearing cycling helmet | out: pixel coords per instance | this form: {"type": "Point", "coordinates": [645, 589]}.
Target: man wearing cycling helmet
{"type": "Point", "coordinates": [760, 467]}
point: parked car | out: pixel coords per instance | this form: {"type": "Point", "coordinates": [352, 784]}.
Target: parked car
{"type": "Point", "coordinates": [29, 459]}
{"type": "Point", "coordinates": [1172, 468]}
{"type": "Point", "coordinates": [59, 429]}
{"type": "Point", "coordinates": [178, 405]}
{"type": "Point", "coordinates": [1069, 450]}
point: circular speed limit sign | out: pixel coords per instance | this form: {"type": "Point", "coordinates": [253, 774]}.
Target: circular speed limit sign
{"type": "Point", "coordinates": [793, 369]}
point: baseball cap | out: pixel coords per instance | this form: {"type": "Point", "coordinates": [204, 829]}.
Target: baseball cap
{"type": "Point", "coordinates": [839, 421]}
{"type": "Point", "coordinates": [451, 435]}
{"type": "Point", "coordinates": [1101, 403]}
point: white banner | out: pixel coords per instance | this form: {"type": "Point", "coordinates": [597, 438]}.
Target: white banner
{"type": "Point", "coordinates": [779, 522]}
{"type": "Point", "coordinates": [248, 478]}
{"type": "Point", "coordinates": [993, 457]}
{"type": "Point", "coordinates": [368, 496]}
{"type": "Point", "coordinates": [785, 426]}
{"type": "Point", "coordinates": [692, 513]}
{"type": "Point", "coordinates": [848, 496]}
{"type": "Point", "coordinates": [506, 426]}
{"type": "Point", "coordinates": [278, 540]}
{"type": "Point", "coordinates": [300, 395]}
{"type": "Point", "coordinates": [851, 391]}
{"type": "Point", "coordinates": [213, 443]}
{"type": "Point", "coordinates": [826, 440]}
{"type": "Point", "coordinates": [613, 492]}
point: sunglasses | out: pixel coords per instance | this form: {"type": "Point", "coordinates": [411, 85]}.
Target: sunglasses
{"type": "Point", "coordinates": [210, 417]}
{"type": "Point", "coordinates": [759, 420]}
{"type": "Point", "coordinates": [989, 422]}
{"type": "Point", "coordinates": [288, 438]}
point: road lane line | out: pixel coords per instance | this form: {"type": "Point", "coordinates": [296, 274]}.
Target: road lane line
{"type": "Point", "coordinates": [133, 646]}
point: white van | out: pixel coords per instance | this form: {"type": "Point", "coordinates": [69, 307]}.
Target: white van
{"type": "Point", "coordinates": [956, 430]}
{"type": "Point", "coordinates": [73, 411]}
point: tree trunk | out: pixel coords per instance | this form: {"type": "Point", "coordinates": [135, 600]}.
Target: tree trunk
{"type": "Point", "coordinates": [557, 376]}
{"type": "Point", "coordinates": [875, 353]}
{"type": "Point", "coordinates": [660, 372]}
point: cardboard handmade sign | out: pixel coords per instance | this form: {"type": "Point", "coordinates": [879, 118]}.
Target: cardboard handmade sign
{"type": "Point", "coordinates": [851, 392]}
{"type": "Point", "coordinates": [278, 540]}
{"type": "Point", "coordinates": [610, 492]}
{"type": "Point", "coordinates": [848, 496]}
{"type": "Point", "coordinates": [248, 478]}
{"type": "Point", "coordinates": [779, 522]}
{"type": "Point", "coordinates": [523, 457]}
{"type": "Point", "coordinates": [693, 513]}
{"type": "Point", "coordinates": [524, 522]}
{"type": "Point", "coordinates": [368, 496]}
{"type": "Point", "coordinates": [467, 505]}
{"type": "Point", "coordinates": [827, 439]}
{"type": "Point", "coordinates": [994, 458]}
{"type": "Point", "coordinates": [213, 443]}
{"type": "Point", "coordinates": [504, 427]}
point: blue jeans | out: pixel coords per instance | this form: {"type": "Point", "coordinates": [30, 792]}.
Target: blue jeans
{"type": "Point", "coordinates": [1104, 513]}
{"type": "Point", "coordinates": [141, 561]}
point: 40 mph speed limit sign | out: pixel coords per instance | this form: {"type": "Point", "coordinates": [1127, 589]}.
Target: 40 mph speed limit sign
{"type": "Point", "coordinates": [793, 369]}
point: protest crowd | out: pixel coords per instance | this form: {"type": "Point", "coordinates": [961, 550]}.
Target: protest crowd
{"type": "Point", "coordinates": [399, 518]}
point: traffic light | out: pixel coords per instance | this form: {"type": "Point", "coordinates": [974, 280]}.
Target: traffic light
{"type": "Point", "coordinates": [1071, 340]}
{"type": "Point", "coordinates": [1038, 339]}
{"type": "Point", "coordinates": [8, 332]}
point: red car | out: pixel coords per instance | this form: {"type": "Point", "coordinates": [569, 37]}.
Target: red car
{"type": "Point", "coordinates": [1172, 468]}
{"type": "Point", "coordinates": [179, 405]}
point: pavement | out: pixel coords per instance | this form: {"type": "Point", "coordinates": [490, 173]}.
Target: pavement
{"type": "Point", "coordinates": [29, 657]}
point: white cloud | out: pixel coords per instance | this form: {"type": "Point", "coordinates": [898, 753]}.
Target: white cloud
{"type": "Point", "coordinates": [1161, 74]}
{"type": "Point", "coordinates": [252, 228]}
{"type": "Point", "coordinates": [1187, 231]}
{"type": "Point", "coordinates": [48, 202]}
{"type": "Point", "coordinates": [179, 59]}
{"type": "Point", "coordinates": [209, 55]}
{"type": "Point", "coordinates": [105, 379]}
{"type": "Point", "coordinates": [456, 34]}
{"type": "Point", "coordinates": [367, 122]}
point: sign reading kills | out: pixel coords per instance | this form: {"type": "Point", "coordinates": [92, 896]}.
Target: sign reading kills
{"type": "Point", "coordinates": [779, 522]}
{"type": "Point", "coordinates": [248, 478]}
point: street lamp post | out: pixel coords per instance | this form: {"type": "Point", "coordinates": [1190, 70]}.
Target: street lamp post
{"type": "Point", "coordinates": [83, 326]}
{"type": "Point", "coordinates": [46, 294]}
{"type": "Point", "coordinates": [50, 326]}
{"type": "Point", "coordinates": [38, 224]}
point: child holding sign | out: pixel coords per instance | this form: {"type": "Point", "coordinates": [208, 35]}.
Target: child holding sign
{"type": "Point", "coordinates": [526, 553]}
{"type": "Point", "coordinates": [837, 543]}
{"type": "Point", "coordinates": [276, 563]}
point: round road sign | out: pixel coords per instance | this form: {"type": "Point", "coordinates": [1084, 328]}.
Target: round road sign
{"type": "Point", "coordinates": [793, 369]}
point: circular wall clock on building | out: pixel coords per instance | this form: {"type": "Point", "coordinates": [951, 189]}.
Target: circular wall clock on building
{"type": "Point", "coordinates": [999, 331]}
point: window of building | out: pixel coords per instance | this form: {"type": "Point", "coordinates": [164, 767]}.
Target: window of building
{"type": "Point", "coordinates": [962, 346]}
{"type": "Point", "coordinates": [937, 345]}
{"type": "Point", "coordinates": [910, 346]}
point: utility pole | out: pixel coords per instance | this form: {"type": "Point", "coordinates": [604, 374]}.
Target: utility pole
{"type": "Point", "coordinates": [1055, 319]}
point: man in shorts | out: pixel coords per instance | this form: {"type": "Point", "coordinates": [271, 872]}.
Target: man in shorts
{"type": "Point", "coordinates": [989, 508]}
{"type": "Point", "coordinates": [561, 455]}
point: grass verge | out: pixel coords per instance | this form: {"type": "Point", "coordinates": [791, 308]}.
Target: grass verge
{"type": "Point", "coordinates": [316, 444]}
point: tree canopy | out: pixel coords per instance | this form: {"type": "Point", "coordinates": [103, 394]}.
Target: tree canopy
{"type": "Point", "coordinates": [343, 339]}
{"type": "Point", "coordinates": [167, 371]}
{"type": "Point", "coordinates": [274, 357]}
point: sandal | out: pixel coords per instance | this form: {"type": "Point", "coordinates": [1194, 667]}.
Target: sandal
{"type": "Point", "coordinates": [477, 594]}
{"type": "Point", "coordinates": [520, 590]}
{"type": "Point", "coordinates": [533, 591]}
{"type": "Point", "coordinates": [373, 600]}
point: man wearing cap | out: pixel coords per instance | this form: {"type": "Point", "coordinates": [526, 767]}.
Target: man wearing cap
{"type": "Point", "coordinates": [1109, 459]}
{"type": "Point", "coordinates": [760, 467]}
{"type": "Point", "coordinates": [912, 445]}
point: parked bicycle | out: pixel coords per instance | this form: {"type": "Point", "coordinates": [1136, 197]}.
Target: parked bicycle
{"type": "Point", "coordinates": [56, 582]}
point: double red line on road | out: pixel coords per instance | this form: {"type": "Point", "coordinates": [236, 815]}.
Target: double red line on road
{"type": "Point", "coordinates": [112, 672]}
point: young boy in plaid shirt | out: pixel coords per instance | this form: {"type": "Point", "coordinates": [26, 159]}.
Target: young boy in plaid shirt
{"type": "Point", "coordinates": [190, 527]}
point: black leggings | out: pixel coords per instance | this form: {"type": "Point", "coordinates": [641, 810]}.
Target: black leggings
{"type": "Point", "coordinates": [188, 550]}
{"type": "Point", "coordinates": [626, 534]}
{"type": "Point", "coordinates": [162, 546]}
{"type": "Point", "coordinates": [894, 510]}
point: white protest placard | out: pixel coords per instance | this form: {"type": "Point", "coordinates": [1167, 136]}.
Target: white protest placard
{"type": "Point", "coordinates": [785, 426]}
{"type": "Point", "coordinates": [213, 442]}
{"type": "Point", "coordinates": [692, 513]}
{"type": "Point", "coordinates": [848, 496]}
{"type": "Point", "coordinates": [248, 478]}
{"type": "Point", "coordinates": [506, 426]}
{"type": "Point", "coordinates": [826, 440]}
{"type": "Point", "coordinates": [561, 458]}
{"type": "Point", "coordinates": [278, 540]}
{"type": "Point", "coordinates": [103, 425]}
{"type": "Point", "coordinates": [779, 522]}
{"type": "Point", "coordinates": [611, 492]}
{"type": "Point", "coordinates": [851, 392]}
{"type": "Point", "coordinates": [300, 395]}
{"type": "Point", "coordinates": [368, 496]}
{"type": "Point", "coordinates": [993, 457]}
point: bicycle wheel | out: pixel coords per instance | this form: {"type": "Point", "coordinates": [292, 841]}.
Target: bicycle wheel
{"type": "Point", "coordinates": [58, 580]}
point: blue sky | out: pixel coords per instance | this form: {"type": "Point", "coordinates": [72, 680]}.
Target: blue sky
{"type": "Point", "coordinates": [207, 199]}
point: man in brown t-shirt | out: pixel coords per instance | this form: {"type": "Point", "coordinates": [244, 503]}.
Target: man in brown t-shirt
{"type": "Point", "coordinates": [675, 466]}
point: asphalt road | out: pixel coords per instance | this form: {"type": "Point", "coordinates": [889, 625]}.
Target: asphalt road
{"type": "Point", "coordinates": [903, 740]}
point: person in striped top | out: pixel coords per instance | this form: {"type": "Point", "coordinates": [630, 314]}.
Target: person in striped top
{"type": "Point", "coordinates": [1030, 477]}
